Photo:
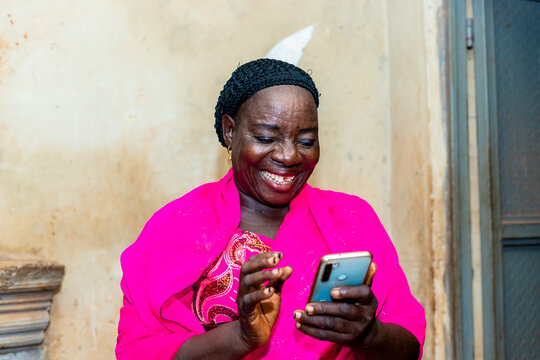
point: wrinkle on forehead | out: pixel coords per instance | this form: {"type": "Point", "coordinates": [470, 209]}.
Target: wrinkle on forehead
{"type": "Point", "coordinates": [279, 102]}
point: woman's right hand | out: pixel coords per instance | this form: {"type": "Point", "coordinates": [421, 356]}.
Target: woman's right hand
{"type": "Point", "coordinates": [259, 304]}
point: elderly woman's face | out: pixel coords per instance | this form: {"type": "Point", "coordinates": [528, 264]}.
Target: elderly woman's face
{"type": "Point", "coordinates": [275, 143]}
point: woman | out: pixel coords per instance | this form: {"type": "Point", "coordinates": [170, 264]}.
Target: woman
{"type": "Point", "coordinates": [224, 272]}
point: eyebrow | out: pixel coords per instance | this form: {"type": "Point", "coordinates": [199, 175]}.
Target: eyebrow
{"type": "Point", "coordinates": [274, 127]}
{"type": "Point", "coordinates": [311, 129]}
{"type": "Point", "coordinates": [267, 126]}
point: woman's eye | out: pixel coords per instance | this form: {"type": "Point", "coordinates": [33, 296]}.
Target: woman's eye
{"type": "Point", "coordinates": [264, 139]}
{"type": "Point", "coordinates": [306, 142]}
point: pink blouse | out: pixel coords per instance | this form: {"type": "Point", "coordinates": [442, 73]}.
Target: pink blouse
{"type": "Point", "coordinates": [187, 238]}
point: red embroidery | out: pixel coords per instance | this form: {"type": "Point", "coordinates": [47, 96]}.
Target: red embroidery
{"type": "Point", "coordinates": [214, 294]}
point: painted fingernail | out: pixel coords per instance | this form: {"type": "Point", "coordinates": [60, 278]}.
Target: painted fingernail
{"type": "Point", "coordinates": [297, 315]}
{"type": "Point", "coordinates": [309, 309]}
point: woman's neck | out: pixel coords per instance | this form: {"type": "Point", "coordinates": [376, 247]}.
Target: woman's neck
{"type": "Point", "coordinates": [249, 204]}
{"type": "Point", "coordinates": [260, 218]}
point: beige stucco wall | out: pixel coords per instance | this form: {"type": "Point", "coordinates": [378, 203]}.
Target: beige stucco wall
{"type": "Point", "coordinates": [106, 114]}
{"type": "Point", "coordinates": [419, 139]}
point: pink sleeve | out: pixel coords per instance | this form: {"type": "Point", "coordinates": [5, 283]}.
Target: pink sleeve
{"type": "Point", "coordinates": [137, 341]}
{"type": "Point", "coordinates": [401, 308]}
{"type": "Point", "coordinates": [397, 305]}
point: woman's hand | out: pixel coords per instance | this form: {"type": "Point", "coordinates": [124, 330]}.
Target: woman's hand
{"type": "Point", "coordinates": [259, 299]}
{"type": "Point", "coordinates": [349, 320]}
{"type": "Point", "coordinates": [259, 304]}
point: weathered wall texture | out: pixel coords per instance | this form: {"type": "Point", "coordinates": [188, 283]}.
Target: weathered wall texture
{"type": "Point", "coordinates": [106, 114]}
{"type": "Point", "coordinates": [419, 196]}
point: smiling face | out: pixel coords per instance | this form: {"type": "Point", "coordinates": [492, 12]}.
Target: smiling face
{"type": "Point", "coordinates": [275, 144]}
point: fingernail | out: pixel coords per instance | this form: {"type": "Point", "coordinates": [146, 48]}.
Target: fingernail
{"type": "Point", "coordinates": [297, 315]}
{"type": "Point", "coordinates": [268, 291]}
{"type": "Point", "coordinates": [309, 309]}
{"type": "Point", "coordinates": [335, 292]}
{"type": "Point", "coordinates": [275, 271]}
{"type": "Point", "coordinates": [297, 325]}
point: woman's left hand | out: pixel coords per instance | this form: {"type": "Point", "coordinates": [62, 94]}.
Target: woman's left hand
{"type": "Point", "coordinates": [349, 320]}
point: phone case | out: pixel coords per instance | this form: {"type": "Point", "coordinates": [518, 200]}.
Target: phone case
{"type": "Point", "coordinates": [346, 269]}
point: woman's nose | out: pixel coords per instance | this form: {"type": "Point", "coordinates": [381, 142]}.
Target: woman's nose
{"type": "Point", "coordinates": [287, 154]}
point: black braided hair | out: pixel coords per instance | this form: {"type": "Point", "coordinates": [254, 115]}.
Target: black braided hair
{"type": "Point", "coordinates": [253, 76]}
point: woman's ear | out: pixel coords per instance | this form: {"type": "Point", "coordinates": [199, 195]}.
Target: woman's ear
{"type": "Point", "coordinates": [228, 126]}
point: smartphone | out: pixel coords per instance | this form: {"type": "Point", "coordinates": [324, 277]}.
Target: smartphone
{"type": "Point", "coordinates": [335, 270]}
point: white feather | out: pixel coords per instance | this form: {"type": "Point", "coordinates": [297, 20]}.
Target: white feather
{"type": "Point", "coordinates": [290, 49]}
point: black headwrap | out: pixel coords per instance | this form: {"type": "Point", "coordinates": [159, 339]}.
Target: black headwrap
{"type": "Point", "coordinates": [256, 75]}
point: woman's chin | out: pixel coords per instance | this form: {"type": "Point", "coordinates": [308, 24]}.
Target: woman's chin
{"type": "Point", "coordinates": [278, 199]}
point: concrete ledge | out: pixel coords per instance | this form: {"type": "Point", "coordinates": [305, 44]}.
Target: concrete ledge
{"type": "Point", "coordinates": [26, 292]}
{"type": "Point", "coordinates": [29, 275]}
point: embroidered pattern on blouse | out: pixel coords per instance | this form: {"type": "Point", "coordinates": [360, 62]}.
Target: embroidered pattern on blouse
{"type": "Point", "coordinates": [214, 294]}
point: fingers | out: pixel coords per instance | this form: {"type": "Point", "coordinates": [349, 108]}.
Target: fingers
{"type": "Point", "coordinates": [332, 323]}
{"type": "Point", "coordinates": [251, 299]}
{"type": "Point", "coordinates": [253, 273]}
{"type": "Point", "coordinates": [260, 277]}
{"type": "Point", "coordinates": [323, 334]}
{"type": "Point", "coordinates": [253, 277]}
{"type": "Point", "coordinates": [325, 328]}
{"type": "Point", "coordinates": [360, 294]}
{"type": "Point", "coordinates": [260, 262]}
{"type": "Point", "coordinates": [285, 274]}
{"type": "Point", "coordinates": [341, 322]}
{"type": "Point", "coordinates": [274, 285]}
{"type": "Point", "coordinates": [341, 309]}
{"type": "Point", "coordinates": [345, 320]}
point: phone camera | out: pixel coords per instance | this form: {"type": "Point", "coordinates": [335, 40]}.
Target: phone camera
{"type": "Point", "coordinates": [327, 270]}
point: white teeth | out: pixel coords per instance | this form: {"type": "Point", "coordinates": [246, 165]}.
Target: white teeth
{"type": "Point", "coordinates": [280, 180]}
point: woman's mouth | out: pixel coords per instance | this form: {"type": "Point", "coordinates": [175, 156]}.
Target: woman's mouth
{"type": "Point", "coordinates": [277, 179]}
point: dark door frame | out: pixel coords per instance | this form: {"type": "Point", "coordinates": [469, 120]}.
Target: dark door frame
{"type": "Point", "coordinates": [460, 285]}
{"type": "Point", "coordinates": [493, 341]}
{"type": "Point", "coordinates": [490, 239]}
